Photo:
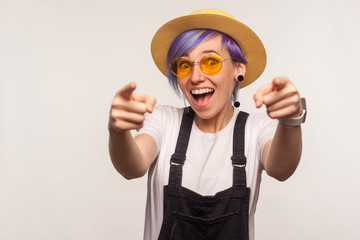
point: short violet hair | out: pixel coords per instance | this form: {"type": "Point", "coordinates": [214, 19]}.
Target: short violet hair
{"type": "Point", "coordinates": [187, 41]}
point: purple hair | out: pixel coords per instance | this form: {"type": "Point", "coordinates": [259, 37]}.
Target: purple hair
{"type": "Point", "coordinates": [187, 41]}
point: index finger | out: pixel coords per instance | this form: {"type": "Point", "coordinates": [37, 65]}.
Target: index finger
{"type": "Point", "coordinates": [127, 91]}
{"type": "Point", "coordinates": [149, 101]}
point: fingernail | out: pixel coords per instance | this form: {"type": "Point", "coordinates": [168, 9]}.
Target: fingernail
{"type": "Point", "coordinates": [258, 103]}
{"type": "Point", "coordinates": [151, 108]}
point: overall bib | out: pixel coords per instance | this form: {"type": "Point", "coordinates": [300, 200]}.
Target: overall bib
{"type": "Point", "coordinates": [191, 216]}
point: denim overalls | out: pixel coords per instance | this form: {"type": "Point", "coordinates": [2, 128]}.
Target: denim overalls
{"type": "Point", "coordinates": [191, 216]}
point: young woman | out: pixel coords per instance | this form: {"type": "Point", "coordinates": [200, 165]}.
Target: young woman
{"type": "Point", "coordinates": [204, 162]}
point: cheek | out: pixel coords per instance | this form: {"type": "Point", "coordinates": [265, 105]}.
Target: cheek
{"type": "Point", "coordinates": [182, 87]}
{"type": "Point", "coordinates": [231, 83]}
{"type": "Point", "coordinates": [230, 90]}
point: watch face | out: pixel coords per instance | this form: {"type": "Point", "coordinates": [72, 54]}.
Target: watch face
{"type": "Point", "coordinates": [303, 102]}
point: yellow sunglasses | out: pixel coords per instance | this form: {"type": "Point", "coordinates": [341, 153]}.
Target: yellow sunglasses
{"type": "Point", "coordinates": [209, 64]}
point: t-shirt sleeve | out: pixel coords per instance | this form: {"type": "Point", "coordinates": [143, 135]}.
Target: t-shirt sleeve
{"type": "Point", "coordinates": [267, 131]}
{"type": "Point", "coordinates": [154, 125]}
{"type": "Point", "coordinates": [266, 128]}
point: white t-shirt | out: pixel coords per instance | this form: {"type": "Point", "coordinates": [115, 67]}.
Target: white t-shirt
{"type": "Point", "coordinates": [208, 168]}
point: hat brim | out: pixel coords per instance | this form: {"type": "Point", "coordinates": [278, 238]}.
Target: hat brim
{"type": "Point", "coordinates": [248, 41]}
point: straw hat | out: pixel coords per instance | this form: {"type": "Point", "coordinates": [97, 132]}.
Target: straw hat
{"type": "Point", "coordinates": [249, 42]}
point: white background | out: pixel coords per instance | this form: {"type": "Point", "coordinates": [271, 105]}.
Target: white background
{"type": "Point", "coordinates": [61, 63]}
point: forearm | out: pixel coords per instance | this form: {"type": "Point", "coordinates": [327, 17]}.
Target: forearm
{"type": "Point", "coordinates": [284, 152]}
{"type": "Point", "coordinates": [131, 156]}
{"type": "Point", "coordinates": [126, 155]}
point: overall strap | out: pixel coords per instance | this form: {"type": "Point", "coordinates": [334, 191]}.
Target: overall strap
{"type": "Point", "coordinates": [238, 158]}
{"type": "Point", "coordinates": [178, 158]}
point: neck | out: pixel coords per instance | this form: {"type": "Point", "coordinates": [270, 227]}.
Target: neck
{"type": "Point", "coordinates": [216, 123]}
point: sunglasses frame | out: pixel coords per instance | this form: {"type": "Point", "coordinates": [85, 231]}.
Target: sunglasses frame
{"type": "Point", "coordinates": [198, 62]}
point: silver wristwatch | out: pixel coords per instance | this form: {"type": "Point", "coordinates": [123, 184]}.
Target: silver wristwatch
{"type": "Point", "coordinates": [295, 121]}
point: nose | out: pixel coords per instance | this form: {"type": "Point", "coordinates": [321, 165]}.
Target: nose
{"type": "Point", "coordinates": [197, 75]}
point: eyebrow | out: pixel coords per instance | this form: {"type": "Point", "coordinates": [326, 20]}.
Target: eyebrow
{"type": "Point", "coordinates": [205, 52]}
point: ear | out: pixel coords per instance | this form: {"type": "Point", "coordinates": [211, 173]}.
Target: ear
{"type": "Point", "coordinates": [240, 69]}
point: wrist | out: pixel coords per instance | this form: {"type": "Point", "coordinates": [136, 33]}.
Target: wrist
{"type": "Point", "coordinates": [289, 121]}
{"type": "Point", "coordinates": [113, 130]}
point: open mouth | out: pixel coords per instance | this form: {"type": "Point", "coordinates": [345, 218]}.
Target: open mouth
{"type": "Point", "coordinates": [202, 96]}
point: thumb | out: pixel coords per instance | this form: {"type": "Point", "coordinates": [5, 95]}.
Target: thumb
{"type": "Point", "coordinates": [278, 84]}
{"type": "Point", "coordinates": [149, 101]}
{"type": "Point", "coordinates": [261, 92]}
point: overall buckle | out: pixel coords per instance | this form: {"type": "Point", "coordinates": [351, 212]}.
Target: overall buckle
{"type": "Point", "coordinates": [177, 159]}
{"type": "Point", "coordinates": [238, 160]}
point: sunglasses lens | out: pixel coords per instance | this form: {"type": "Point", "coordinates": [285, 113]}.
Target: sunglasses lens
{"type": "Point", "coordinates": [211, 64]}
{"type": "Point", "coordinates": [181, 67]}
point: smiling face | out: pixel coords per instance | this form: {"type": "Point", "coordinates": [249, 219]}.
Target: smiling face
{"type": "Point", "coordinates": [210, 95]}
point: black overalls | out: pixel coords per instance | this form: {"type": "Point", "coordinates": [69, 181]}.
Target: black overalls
{"type": "Point", "coordinates": [191, 216]}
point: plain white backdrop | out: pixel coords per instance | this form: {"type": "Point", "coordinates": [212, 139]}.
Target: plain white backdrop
{"type": "Point", "coordinates": [61, 63]}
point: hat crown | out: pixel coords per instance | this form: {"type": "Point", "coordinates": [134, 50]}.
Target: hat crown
{"type": "Point", "coordinates": [212, 11]}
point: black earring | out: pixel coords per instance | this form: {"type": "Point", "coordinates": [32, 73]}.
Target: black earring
{"type": "Point", "coordinates": [240, 78]}
{"type": "Point", "coordinates": [236, 104]}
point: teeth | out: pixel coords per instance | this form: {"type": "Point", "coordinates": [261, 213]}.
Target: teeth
{"type": "Point", "coordinates": [202, 91]}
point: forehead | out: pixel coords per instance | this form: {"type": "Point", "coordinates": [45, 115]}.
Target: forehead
{"type": "Point", "coordinates": [213, 45]}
